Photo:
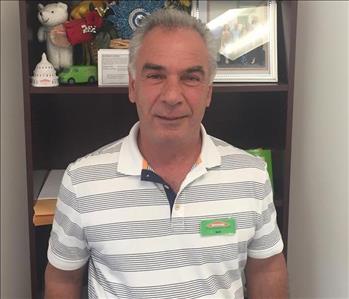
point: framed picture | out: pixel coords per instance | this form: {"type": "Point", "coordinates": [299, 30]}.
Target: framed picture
{"type": "Point", "coordinates": [112, 67]}
{"type": "Point", "coordinates": [245, 34]}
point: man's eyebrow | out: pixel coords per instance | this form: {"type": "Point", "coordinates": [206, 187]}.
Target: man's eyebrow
{"type": "Point", "coordinates": [157, 67]}
{"type": "Point", "coordinates": [152, 66]}
{"type": "Point", "coordinates": [195, 69]}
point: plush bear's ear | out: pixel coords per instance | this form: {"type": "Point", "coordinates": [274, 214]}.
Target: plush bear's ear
{"type": "Point", "coordinates": [40, 6]}
{"type": "Point", "coordinates": [60, 4]}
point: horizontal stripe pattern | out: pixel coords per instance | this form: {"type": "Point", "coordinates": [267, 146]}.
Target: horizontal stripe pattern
{"type": "Point", "coordinates": [70, 228]}
{"type": "Point", "coordinates": [228, 191]}
{"type": "Point", "coordinates": [196, 194]}
{"type": "Point", "coordinates": [162, 227]}
{"type": "Point", "coordinates": [138, 249]}
{"type": "Point", "coordinates": [110, 148]}
{"type": "Point", "coordinates": [91, 291]}
{"type": "Point", "coordinates": [266, 241]}
{"type": "Point", "coordinates": [66, 252]}
{"type": "Point", "coordinates": [68, 197]}
{"type": "Point", "coordinates": [95, 173]}
{"type": "Point", "coordinates": [196, 288]}
{"type": "Point", "coordinates": [240, 161]}
{"type": "Point", "coordinates": [220, 143]}
{"type": "Point", "coordinates": [165, 259]}
{"type": "Point", "coordinates": [123, 199]}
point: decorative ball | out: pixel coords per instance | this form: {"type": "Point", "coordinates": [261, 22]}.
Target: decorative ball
{"type": "Point", "coordinates": [127, 15]}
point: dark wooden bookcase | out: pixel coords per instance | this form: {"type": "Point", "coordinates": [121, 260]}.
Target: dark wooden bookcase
{"type": "Point", "coordinates": [67, 122]}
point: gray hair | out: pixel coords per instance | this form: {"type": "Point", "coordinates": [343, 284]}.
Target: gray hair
{"type": "Point", "coordinates": [172, 19]}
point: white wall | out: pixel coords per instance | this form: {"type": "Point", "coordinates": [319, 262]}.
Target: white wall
{"type": "Point", "coordinates": [15, 271]}
{"type": "Point", "coordinates": [318, 228]}
{"type": "Point", "coordinates": [318, 237]}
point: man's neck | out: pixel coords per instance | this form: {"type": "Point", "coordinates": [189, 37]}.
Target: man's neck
{"type": "Point", "coordinates": [172, 162]}
{"type": "Point", "coordinates": [163, 154]}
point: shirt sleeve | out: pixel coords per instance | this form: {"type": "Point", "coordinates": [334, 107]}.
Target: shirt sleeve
{"type": "Point", "coordinates": [68, 248]}
{"type": "Point", "coordinates": [267, 240]}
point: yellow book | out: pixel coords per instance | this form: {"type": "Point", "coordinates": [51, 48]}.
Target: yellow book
{"type": "Point", "coordinates": [43, 220]}
{"type": "Point", "coordinates": [45, 207]}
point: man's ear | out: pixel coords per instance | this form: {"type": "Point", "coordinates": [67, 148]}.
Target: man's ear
{"type": "Point", "coordinates": [209, 96]}
{"type": "Point", "coordinates": [131, 88]}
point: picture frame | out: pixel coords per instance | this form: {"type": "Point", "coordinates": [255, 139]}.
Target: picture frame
{"type": "Point", "coordinates": [245, 34]}
{"type": "Point", "coordinates": [112, 67]}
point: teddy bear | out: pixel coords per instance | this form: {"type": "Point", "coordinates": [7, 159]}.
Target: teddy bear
{"type": "Point", "coordinates": [52, 17]}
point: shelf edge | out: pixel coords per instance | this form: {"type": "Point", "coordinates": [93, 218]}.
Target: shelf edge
{"type": "Point", "coordinates": [217, 88]}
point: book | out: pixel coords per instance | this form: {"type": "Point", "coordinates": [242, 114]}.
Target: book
{"type": "Point", "coordinates": [43, 220]}
{"type": "Point", "coordinates": [39, 177]}
{"type": "Point", "coordinates": [45, 205]}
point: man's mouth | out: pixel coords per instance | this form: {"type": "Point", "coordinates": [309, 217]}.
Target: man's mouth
{"type": "Point", "coordinates": [170, 118]}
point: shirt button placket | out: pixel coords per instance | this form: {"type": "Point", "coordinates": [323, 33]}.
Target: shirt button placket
{"type": "Point", "coordinates": [178, 215]}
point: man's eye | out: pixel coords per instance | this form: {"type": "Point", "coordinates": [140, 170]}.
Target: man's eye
{"type": "Point", "coordinates": [155, 76]}
{"type": "Point", "coordinates": [191, 79]}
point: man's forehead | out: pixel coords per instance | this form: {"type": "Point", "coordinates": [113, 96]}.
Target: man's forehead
{"type": "Point", "coordinates": [177, 51]}
{"type": "Point", "coordinates": [169, 38]}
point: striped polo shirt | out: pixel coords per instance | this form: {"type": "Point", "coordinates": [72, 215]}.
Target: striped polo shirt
{"type": "Point", "coordinates": [137, 247]}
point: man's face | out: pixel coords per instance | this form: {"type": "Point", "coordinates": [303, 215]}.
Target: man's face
{"type": "Point", "coordinates": [171, 87]}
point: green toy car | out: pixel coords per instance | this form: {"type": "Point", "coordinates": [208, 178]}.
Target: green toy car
{"type": "Point", "coordinates": [78, 74]}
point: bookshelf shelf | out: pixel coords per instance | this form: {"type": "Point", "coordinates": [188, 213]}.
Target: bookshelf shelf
{"type": "Point", "coordinates": [218, 87]}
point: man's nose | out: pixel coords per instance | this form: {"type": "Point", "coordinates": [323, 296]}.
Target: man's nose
{"type": "Point", "coordinates": [172, 91]}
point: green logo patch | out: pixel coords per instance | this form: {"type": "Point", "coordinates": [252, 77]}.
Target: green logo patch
{"type": "Point", "coordinates": [212, 227]}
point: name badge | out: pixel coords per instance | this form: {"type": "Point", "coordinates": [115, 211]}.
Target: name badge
{"type": "Point", "coordinates": [213, 227]}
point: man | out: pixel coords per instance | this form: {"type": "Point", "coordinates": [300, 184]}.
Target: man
{"type": "Point", "coordinates": [168, 211]}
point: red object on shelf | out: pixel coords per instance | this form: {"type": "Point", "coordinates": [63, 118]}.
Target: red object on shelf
{"type": "Point", "coordinates": [83, 30]}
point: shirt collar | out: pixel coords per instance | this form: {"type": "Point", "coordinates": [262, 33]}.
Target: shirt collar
{"type": "Point", "coordinates": [210, 156]}
{"type": "Point", "coordinates": [131, 160]}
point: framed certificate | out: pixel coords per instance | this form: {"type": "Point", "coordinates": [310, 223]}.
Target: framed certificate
{"type": "Point", "coordinates": [245, 34]}
{"type": "Point", "coordinates": [112, 67]}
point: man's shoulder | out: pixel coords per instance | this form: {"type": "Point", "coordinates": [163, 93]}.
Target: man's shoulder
{"type": "Point", "coordinates": [224, 148]}
{"type": "Point", "coordinates": [223, 145]}
{"type": "Point", "coordinates": [107, 154]}
{"type": "Point", "coordinates": [230, 153]}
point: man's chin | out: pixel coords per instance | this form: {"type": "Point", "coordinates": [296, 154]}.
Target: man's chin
{"type": "Point", "coordinates": [171, 135]}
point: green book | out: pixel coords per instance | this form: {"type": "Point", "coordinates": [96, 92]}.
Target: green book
{"type": "Point", "coordinates": [265, 154]}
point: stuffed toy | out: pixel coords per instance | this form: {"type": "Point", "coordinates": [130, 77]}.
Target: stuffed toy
{"type": "Point", "coordinates": [85, 20]}
{"type": "Point", "coordinates": [52, 17]}
{"type": "Point", "coordinates": [83, 30]}
{"type": "Point", "coordinates": [80, 10]}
